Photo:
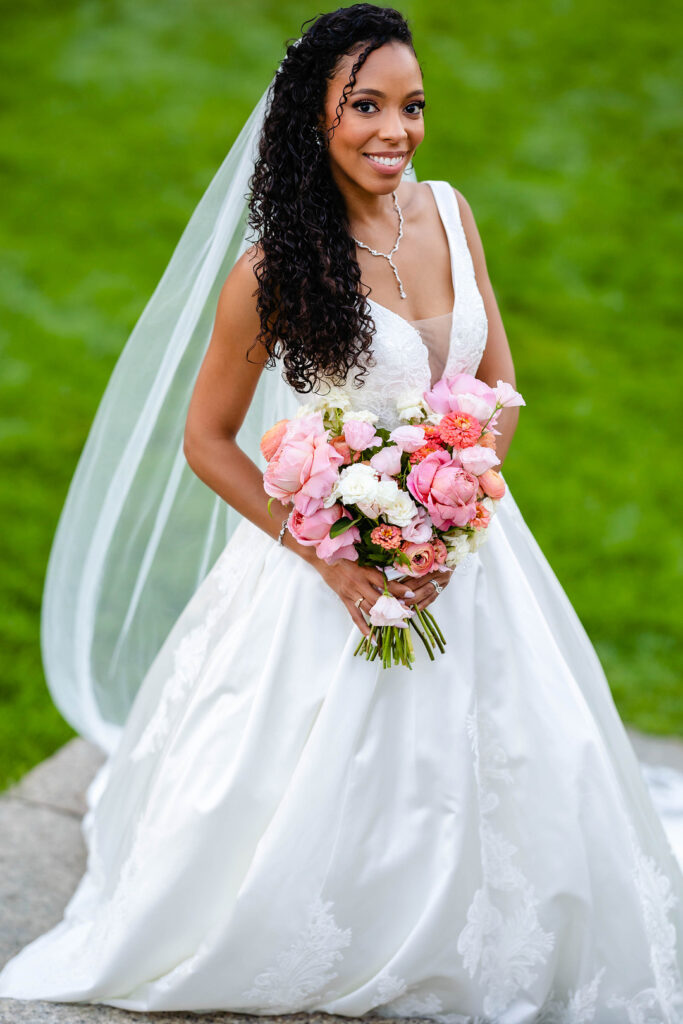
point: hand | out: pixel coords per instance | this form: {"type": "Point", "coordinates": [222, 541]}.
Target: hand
{"type": "Point", "coordinates": [424, 592]}
{"type": "Point", "coordinates": [350, 581]}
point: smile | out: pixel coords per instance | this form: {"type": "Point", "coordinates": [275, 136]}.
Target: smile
{"type": "Point", "coordinates": [386, 161]}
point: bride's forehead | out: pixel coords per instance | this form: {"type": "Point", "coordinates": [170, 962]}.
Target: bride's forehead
{"type": "Point", "coordinates": [392, 66]}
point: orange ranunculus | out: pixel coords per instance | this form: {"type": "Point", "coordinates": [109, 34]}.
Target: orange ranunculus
{"type": "Point", "coordinates": [270, 442]}
{"type": "Point", "coordinates": [492, 484]}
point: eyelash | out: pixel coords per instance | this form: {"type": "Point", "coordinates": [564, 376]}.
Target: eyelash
{"type": "Point", "coordinates": [359, 103]}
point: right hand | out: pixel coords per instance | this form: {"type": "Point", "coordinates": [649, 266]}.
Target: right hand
{"type": "Point", "coordinates": [350, 580]}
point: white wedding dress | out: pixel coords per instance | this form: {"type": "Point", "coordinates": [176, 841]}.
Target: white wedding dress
{"type": "Point", "coordinates": [287, 827]}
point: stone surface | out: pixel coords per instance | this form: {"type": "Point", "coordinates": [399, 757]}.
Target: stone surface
{"type": "Point", "coordinates": [42, 857]}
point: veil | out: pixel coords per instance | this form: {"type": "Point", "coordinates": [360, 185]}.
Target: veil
{"type": "Point", "coordinates": [139, 530]}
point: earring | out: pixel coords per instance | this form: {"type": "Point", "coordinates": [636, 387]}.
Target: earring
{"type": "Point", "coordinates": [409, 168]}
{"type": "Point", "coordinates": [317, 136]}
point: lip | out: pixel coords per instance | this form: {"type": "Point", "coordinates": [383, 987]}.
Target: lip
{"type": "Point", "coordinates": [384, 168]}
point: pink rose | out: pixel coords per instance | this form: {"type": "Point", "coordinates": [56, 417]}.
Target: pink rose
{"type": "Point", "coordinates": [446, 490]}
{"type": "Point", "coordinates": [389, 611]}
{"type": "Point", "coordinates": [420, 527]}
{"type": "Point", "coordinates": [478, 459]}
{"type": "Point", "coordinates": [421, 558]}
{"type": "Point", "coordinates": [304, 468]}
{"type": "Point", "coordinates": [387, 460]}
{"type": "Point", "coordinates": [333, 549]}
{"type": "Point", "coordinates": [408, 439]}
{"type": "Point", "coordinates": [361, 435]}
{"type": "Point", "coordinates": [314, 528]}
{"type": "Point", "coordinates": [506, 394]}
{"type": "Point", "coordinates": [270, 442]}
{"type": "Point", "coordinates": [462, 393]}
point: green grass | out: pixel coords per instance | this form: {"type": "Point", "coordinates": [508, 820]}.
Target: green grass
{"type": "Point", "coordinates": [558, 122]}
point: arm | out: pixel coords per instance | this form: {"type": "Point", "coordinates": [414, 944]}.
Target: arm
{"type": "Point", "coordinates": [496, 362]}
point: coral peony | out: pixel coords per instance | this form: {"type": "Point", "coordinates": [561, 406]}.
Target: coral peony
{"type": "Point", "coordinates": [340, 444]}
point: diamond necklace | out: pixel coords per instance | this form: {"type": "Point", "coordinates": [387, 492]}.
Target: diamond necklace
{"type": "Point", "coordinates": [388, 255]}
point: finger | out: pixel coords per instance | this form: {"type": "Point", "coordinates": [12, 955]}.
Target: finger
{"type": "Point", "coordinates": [357, 617]}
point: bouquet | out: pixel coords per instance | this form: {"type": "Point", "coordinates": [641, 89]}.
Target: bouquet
{"type": "Point", "coordinates": [410, 501]}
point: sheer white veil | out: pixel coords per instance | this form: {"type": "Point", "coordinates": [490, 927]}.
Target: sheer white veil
{"type": "Point", "coordinates": [139, 531]}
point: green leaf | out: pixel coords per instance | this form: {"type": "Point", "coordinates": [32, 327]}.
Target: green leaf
{"type": "Point", "coordinates": [342, 525]}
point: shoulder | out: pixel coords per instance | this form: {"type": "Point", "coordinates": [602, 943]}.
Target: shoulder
{"type": "Point", "coordinates": [236, 310]}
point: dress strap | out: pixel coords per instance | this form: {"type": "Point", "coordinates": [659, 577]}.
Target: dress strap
{"type": "Point", "coordinates": [449, 210]}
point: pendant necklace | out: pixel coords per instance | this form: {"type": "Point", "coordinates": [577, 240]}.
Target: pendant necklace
{"type": "Point", "coordinates": [388, 255]}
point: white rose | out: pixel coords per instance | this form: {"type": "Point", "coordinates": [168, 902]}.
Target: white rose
{"type": "Point", "coordinates": [360, 414]}
{"type": "Point", "coordinates": [307, 409]}
{"type": "Point", "coordinates": [356, 483]}
{"type": "Point", "coordinates": [401, 511]}
{"type": "Point", "coordinates": [458, 547]}
{"type": "Point", "coordinates": [478, 538]}
{"type": "Point", "coordinates": [410, 405]}
{"type": "Point", "coordinates": [434, 418]}
{"type": "Point", "coordinates": [489, 504]}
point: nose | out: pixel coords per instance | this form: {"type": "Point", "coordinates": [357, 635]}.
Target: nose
{"type": "Point", "coordinates": [392, 127]}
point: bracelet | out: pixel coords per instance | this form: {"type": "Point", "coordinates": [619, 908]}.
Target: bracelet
{"type": "Point", "coordinates": [282, 530]}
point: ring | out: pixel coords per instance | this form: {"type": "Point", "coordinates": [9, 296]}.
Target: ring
{"type": "Point", "coordinates": [358, 602]}
{"type": "Point", "coordinates": [437, 586]}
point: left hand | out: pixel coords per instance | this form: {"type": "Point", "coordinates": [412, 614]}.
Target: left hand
{"type": "Point", "coordinates": [425, 593]}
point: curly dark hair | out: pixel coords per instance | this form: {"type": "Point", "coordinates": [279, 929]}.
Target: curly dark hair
{"type": "Point", "coordinates": [312, 313]}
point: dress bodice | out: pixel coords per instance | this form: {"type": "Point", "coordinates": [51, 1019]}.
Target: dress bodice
{"type": "Point", "coordinates": [411, 355]}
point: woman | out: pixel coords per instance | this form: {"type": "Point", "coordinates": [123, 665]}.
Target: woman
{"type": "Point", "coordinates": [283, 826]}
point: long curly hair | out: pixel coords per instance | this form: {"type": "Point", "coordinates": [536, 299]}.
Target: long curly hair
{"type": "Point", "coordinates": [312, 313]}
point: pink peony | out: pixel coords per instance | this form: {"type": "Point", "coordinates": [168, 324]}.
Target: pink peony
{"type": "Point", "coordinates": [408, 439]}
{"type": "Point", "coordinates": [421, 558]}
{"type": "Point", "coordinates": [506, 394]}
{"type": "Point", "coordinates": [361, 435]}
{"type": "Point", "coordinates": [270, 442]}
{"type": "Point", "coordinates": [492, 484]}
{"type": "Point", "coordinates": [304, 468]}
{"type": "Point", "coordinates": [446, 490]}
{"type": "Point", "coordinates": [389, 611]}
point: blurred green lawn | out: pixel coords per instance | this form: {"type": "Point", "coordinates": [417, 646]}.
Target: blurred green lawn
{"type": "Point", "coordinates": [558, 122]}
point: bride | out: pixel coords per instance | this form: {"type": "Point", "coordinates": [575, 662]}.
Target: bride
{"type": "Point", "coordinates": [279, 825]}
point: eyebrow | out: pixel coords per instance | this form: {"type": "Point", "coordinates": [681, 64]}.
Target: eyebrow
{"type": "Point", "coordinates": [376, 92]}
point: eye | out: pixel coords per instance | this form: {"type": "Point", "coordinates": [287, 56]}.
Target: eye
{"type": "Point", "coordinates": [420, 104]}
{"type": "Point", "coordinates": [364, 103]}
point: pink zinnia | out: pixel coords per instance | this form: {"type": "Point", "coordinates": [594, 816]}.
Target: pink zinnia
{"type": "Point", "coordinates": [460, 429]}
{"type": "Point", "coordinates": [386, 535]}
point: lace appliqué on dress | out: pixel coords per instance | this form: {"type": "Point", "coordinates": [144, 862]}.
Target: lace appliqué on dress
{"type": "Point", "coordinates": [663, 1002]}
{"type": "Point", "coordinates": [190, 653]}
{"type": "Point", "coordinates": [579, 1008]}
{"type": "Point", "coordinates": [296, 980]}
{"type": "Point", "coordinates": [503, 939]}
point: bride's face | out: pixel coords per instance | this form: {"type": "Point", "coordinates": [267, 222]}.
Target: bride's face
{"type": "Point", "coordinates": [382, 117]}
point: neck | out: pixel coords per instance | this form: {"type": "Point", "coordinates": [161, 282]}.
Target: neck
{"type": "Point", "coordinates": [365, 210]}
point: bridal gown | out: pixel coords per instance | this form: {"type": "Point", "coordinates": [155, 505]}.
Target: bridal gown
{"type": "Point", "coordinates": [287, 827]}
